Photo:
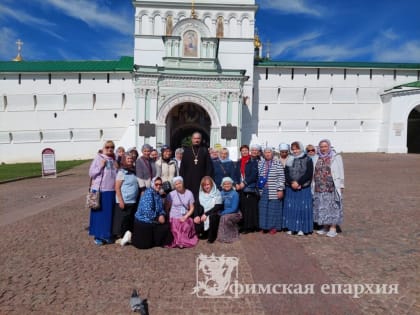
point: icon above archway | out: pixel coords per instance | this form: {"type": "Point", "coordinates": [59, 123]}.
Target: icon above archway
{"type": "Point", "coordinates": [190, 43]}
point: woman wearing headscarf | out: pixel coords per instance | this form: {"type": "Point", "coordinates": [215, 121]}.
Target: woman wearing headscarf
{"type": "Point", "coordinates": [145, 168]}
{"type": "Point", "coordinates": [271, 184]}
{"type": "Point", "coordinates": [297, 204]}
{"type": "Point", "coordinates": [328, 187]}
{"type": "Point", "coordinates": [103, 172]}
{"type": "Point", "coordinates": [126, 189]}
{"type": "Point", "coordinates": [230, 214]}
{"type": "Point", "coordinates": [247, 177]}
{"type": "Point", "coordinates": [150, 226]}
{"type": "Point", "coordinates": [180, 203]}
{"type": "Point", "coordinates": [166, 168]}
{"type": "Point", "coordinates": [207, 218]}
{"type": "Point", "coordinates": [284, 153]}
{"type": "Point", "coordinates": [222, 166]}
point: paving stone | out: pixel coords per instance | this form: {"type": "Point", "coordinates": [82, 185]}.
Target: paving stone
{"type": "Point", "coordinates": [51, 266]}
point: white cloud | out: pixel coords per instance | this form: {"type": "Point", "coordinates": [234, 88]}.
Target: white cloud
{"type": "Point", "coordinates": [89, 12]}
{"type": "Point", "coordinates": [23, 17]}
{"type": "Point", "coordinates": [389, 34]}
{"type": "Point", "coordinates": [8, 48]}
{"type": "Point", "coordinates": [293, 7]}
{"type": "Point", "coordinates": [405, 52]}
{"type": "Point", "coordinates": [282, 46]}
{"type": "Point", "coordinates": [330, 52]}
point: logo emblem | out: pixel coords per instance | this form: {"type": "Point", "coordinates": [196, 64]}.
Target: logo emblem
{"type": "Point", "coordinates": [215, 274]}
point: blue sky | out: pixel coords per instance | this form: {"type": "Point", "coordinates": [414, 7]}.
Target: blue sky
{"type": "Point", "coordinates": [298, 30]}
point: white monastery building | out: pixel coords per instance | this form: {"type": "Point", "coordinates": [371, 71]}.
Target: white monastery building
{"type": "Point", "coordinates": [199, 67]}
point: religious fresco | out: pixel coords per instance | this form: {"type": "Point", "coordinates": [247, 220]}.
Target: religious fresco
{"type": "Point", "coordinates": [169, 25]}
{"type": "Point", "coordinates": [219, 28]}
{"type": "Point", "coordinates": [190, 42]}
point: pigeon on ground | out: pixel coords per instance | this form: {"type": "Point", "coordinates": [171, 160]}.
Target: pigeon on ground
{"type": "Point", "coordinates": [137, 304]}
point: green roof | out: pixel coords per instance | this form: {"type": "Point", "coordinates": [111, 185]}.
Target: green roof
{"type": "Point", "coordinates": [338, 64]}
{"type": "Point", "coordinates": [415, 84]}
{"type": "Point", "coordinates": [124, 64]}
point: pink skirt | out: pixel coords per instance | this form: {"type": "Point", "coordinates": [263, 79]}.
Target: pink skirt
{"type": "Point", "coordinates": [183, 233]}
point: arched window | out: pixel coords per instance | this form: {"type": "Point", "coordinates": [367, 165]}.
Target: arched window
{"type": "Point", "coordinates": [157, 25]}
{"type": "Point", "coordinates": [246, 29]}
{"type": "Point", "coordinates": [233, 28]}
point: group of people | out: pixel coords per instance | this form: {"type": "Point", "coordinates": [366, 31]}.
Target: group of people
{"type": "Point", "coordinates": [200, 193]}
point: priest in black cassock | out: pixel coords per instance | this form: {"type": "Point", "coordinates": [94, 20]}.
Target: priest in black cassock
{"type": "Point", "coordinates": [195, 164]}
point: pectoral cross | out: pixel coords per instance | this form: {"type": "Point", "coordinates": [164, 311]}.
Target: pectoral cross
{"type": "Point", "coordinates": [195, 161]}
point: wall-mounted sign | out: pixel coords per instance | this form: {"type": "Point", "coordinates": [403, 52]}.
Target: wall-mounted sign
{"type": "Point", "coordinates": [49, 168]}
{"type": "Point", "coordinates": [147, 129]}
{"type": "Point", "coordinates": [229, 132]}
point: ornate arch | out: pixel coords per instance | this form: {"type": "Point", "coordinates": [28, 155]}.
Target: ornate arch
{"type": "Point", "coordinates": [413, 103]}
{"type": "Point", "coordinates": [189, 23]}
{"type": "Point", "coordinates": [187, 98]}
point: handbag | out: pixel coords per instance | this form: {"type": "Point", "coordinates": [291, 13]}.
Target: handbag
{"type": "Point", "coordinates": [166, 186]}
{"type": "Point", "coordinates": [250, 190]}
{"type": "Point", "coordinates": [93, 198]}
{"type": "Point", "coordinates": [262, 180]}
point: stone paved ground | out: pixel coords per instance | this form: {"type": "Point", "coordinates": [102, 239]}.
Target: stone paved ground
{"type": "Point", "coordinates": [50, 265]}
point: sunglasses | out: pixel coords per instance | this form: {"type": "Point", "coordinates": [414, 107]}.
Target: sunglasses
{"type": "Point", "coordinates": [158, 184]}
{"type": "Point", "coordinates": [109, 147]}
{"type": "Point", "coordinates": [311, 150]}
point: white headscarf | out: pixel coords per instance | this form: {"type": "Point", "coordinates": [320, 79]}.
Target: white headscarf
{"type": "Point", "coordinates": [209, 200]}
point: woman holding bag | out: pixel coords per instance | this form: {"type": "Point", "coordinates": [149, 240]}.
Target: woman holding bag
{"type": "Point", "coordinates": [102, 172]}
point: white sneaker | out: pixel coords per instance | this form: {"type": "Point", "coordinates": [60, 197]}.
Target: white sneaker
{"type": "Point", "coordinates": [126, 239]}
{"type": "Point", "coordinates": [289, 232]}
{"type": "Point", "coordinates": [300, 233]}
{"type": "Point", "coordinates": [321, 232]}
{"type": "Point", "coordinates": [332, 233]}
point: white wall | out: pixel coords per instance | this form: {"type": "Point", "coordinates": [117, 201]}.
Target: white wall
{"type": "Point", "coordinates": [72, 118]}
{"type": "Point", "coordinates": [312, 104]}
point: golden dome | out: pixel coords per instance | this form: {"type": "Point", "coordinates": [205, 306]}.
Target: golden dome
{"type": "Point", "coordinates": [18, 58]}
{"type": "Point", "coordinates": [19, 44]}
{"type": "Point", "coordinates": [257, 42]}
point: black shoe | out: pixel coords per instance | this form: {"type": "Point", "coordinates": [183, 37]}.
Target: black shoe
{"type": "Point", "coordinates": [210, 241]}
{"type": "Point", "coordinates": [246, 231]}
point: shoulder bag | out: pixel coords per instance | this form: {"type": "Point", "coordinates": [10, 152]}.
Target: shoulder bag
{"type": "Point", "coordinates": [93, 198]}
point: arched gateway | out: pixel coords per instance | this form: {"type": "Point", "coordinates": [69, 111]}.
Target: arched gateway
{"type": "Point", "coordinates": [413, 131]}
{"type": "Point", "coordinates": [185, 119]}
{"type": "Point", "coordinates": [181, 115]}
